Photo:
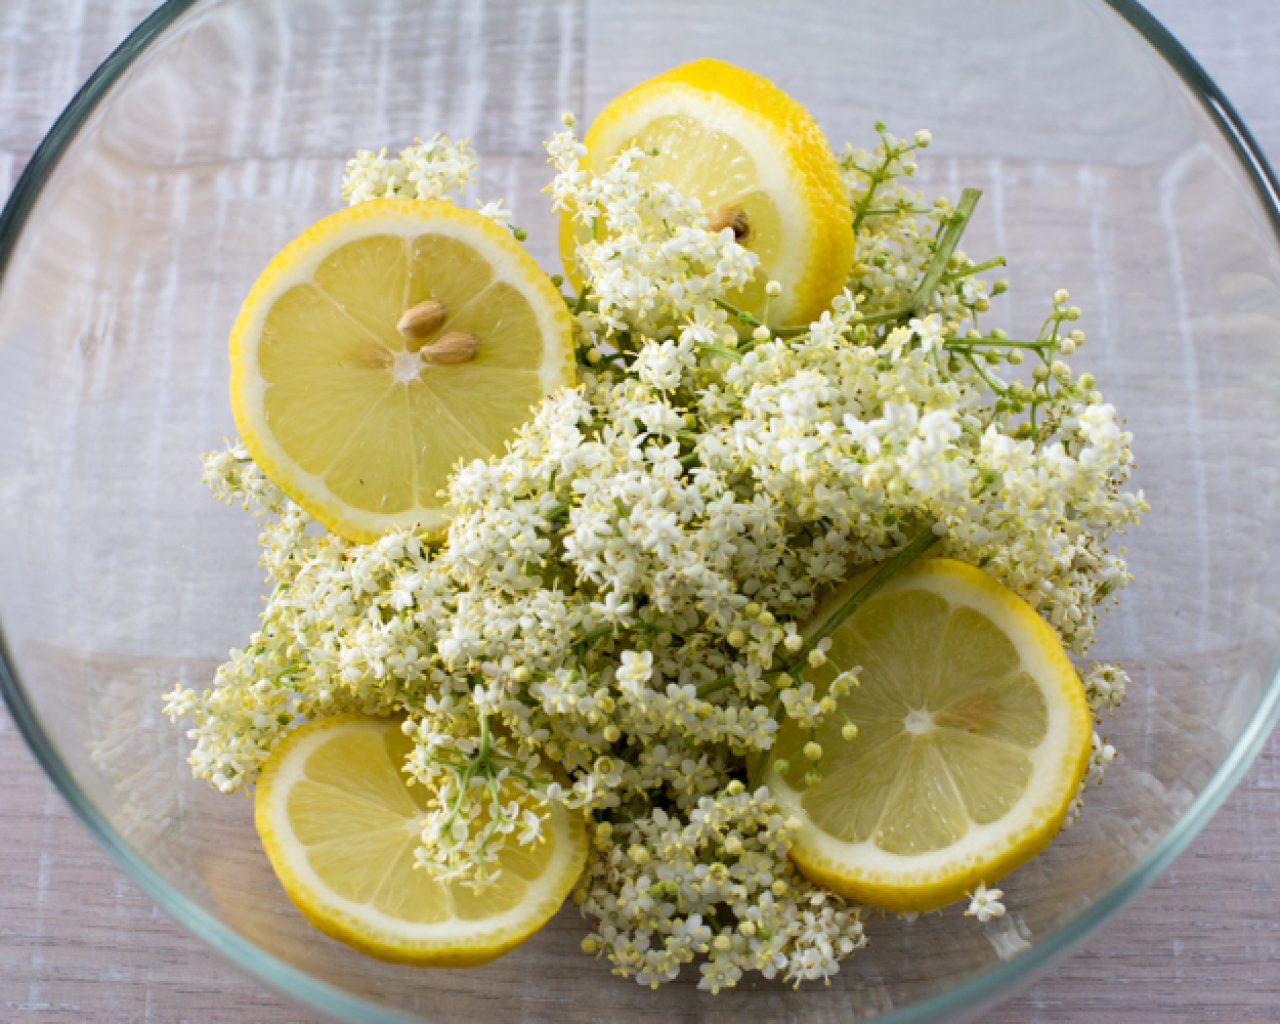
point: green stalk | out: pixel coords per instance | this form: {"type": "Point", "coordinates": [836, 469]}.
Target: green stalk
{"type": "Point", "coordinates": [947, 243]}
{"type": "Point", "coordinates": [719, 350]}
{"type": "Point", "coordinates": [863, 207]}
{"type": "Point", "coordinates": [935, 273]}
{"type": "Point", "coordinates": [751, 320]}
{"type": "Point", "coordinates": [739, 314]}
{"type": "Point", "coordinates": [918, 545]}
{"type": "Point", "coordinates": [959, 344]}
{"type": "Point", "coordinates": [991, 382]}
{"type": "Point", "coordinates": [889, 211]}
{"type": "Point", "coordinates": [977, 268]}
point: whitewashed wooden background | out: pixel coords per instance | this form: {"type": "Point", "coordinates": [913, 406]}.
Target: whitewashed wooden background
{"type": "Point", "coordinates": [78, 942]}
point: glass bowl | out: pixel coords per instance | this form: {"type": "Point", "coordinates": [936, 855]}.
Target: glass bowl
{"type": "Point", "coordinates": [1111, 166]}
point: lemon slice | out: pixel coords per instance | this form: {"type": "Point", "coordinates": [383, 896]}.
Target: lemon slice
{"type": "Point", "coordinates": [340, 826]}
{"type": "Point", "coordinates": [973, 734]}
{"type": "Point", "coordinates": [757, 162]}
{"type": "Point", "coordinates": [381, 346]}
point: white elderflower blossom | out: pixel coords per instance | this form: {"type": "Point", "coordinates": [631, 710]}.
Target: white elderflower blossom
{"type": "Point", "coordinates": [615, 619]}
{"type": "Point", "coordinates": [649, 258]}
{"type": "Point", "coordinates": [984, 904]}
{"type": "Point", "coordinates": [430, 169]}
{"type": "Point", "coordinates": [1106, 687]}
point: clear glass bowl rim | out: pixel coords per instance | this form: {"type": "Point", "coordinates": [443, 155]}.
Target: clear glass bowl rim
{"type": "Point", "coordinates": [982, 989]}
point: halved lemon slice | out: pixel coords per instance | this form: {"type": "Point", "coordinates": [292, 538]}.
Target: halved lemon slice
{"type": "Point", "coordinates": [972, 736]}
{"type": "Point", "coordinates": [383, 345]}
{"type": "Point", "coordinates": [339, 826]}
{"type": "Point", "coordinates": [757, 162]}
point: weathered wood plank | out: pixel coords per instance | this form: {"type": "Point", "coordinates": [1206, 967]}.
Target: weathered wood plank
{"type": "Point", "coordinates": [79, 942]}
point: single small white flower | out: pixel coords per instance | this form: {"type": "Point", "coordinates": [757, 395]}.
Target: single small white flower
{"type": "Point", "coordinates": [985, 904]}
{"type": "Point", "coordinates": [530, 829]}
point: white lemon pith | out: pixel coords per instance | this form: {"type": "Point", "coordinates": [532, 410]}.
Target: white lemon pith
{"type": "Point", "coordinates": [972, 736]}
{"type": "Point", "coordinates": [754, 158]}
{"type": "Point", "coordinates": [340, 826]}
{"type": "Point", "coordinates": [360, 420]}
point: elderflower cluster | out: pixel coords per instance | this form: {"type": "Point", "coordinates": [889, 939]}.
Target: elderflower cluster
{"type": "Point", "coordinates": [437, 168]}
{"type": "Point", "coordinates": [713, 884]}
{"type": "Point", "coordinates": [1105, 687]}
{"type": "Point", "coordinates": [649, 253]}
{"type": "Point", "coordinates": [1101, 754]}
{"type": "Point", "coordinates": [430, 169]}
{"type": "Point", "coordinates": [615, 622]}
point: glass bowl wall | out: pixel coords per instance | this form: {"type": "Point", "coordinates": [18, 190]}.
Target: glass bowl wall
{"type": "Point", "coordinates": [219, 130]}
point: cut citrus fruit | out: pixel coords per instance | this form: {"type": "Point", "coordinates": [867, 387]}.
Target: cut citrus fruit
{"type": "Point", "coordinates": [340, 826]}
{"type": "Point", "coordinates": [757, 162]}
{"type": "Point", "coordinates": [972, 736]}
{"type": "Point", "coordinates": [381, 346]}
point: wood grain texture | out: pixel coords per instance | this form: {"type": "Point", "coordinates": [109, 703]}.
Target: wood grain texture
{"type": "Point", "coordinates": [79, 942]}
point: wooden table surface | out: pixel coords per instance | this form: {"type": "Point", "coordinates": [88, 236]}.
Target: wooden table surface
{"type": "Point", "coordinates": [79, 942]}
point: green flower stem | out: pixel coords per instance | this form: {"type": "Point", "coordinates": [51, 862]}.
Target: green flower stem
{"type": "Point", "coordinates": [947, 243]}
{"type": "Point", "coordinates": [456, 766]}
{"type": "Point", "coordinates": [751, 320]}
{"type": "Point", "coordinates": [895, 211]}
{"type": "Point", "coordinates": [977, 268]}
{"type": "Point", "coordinates": [960, 344]}
{"type": "Point", "coordinates": [455, 808]}
{"type": "Point", "coordinates": [935, 273]}
{"type": "Point", "coordinates": [706, 689]}
{"type": "Point", "coordinates": [862, 209]}
{"type": "Point", "coordinates": [884, 317]}
{"type": "Point", "coordinates": [608, 358]}
{"type": "Point", "coordinates": [918, 545]}
{"type": "Point", "coordinates": [888, 569]}
{"type": "Point", "coordinates": [599, 633]}
{"type": "Point", "coordinates": [991, 381]}
{"type": "Point", "coordinates": [755, 768]}
{"type": "Point", "coordinates": [290, 669]}
{"type": "Point", "coordinates": [739, 314]}
{"type": "Point", "coordinates": [719, 350]}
